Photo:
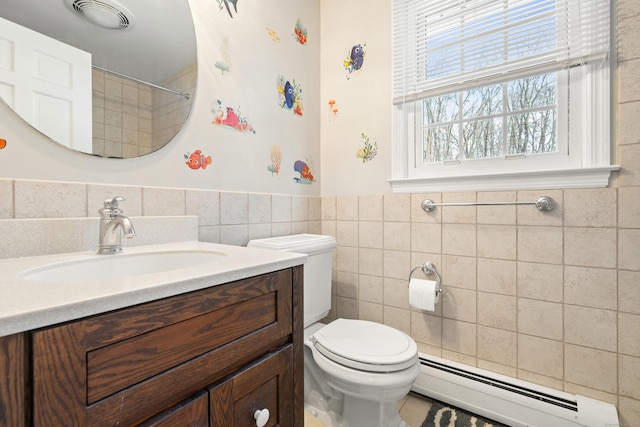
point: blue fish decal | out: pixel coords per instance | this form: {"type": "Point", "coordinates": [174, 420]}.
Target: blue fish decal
{"type": "Point", "coordinates": [357, 56]}
{"type": "Point", "coordinates": [289, 95]}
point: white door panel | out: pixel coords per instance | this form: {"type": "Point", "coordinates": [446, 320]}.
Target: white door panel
{"type": "Point", "coordinates": [49, 83]}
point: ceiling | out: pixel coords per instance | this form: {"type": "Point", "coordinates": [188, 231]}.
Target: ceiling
{"type": "Point", "coordinates": [160, 42]}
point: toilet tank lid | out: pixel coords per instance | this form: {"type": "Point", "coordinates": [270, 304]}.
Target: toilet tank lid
{"type": "Point", "coordinates": [308, 244]}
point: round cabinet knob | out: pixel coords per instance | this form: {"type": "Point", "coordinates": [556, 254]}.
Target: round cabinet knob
{"type": "Point", "coordinates": [262, 417]}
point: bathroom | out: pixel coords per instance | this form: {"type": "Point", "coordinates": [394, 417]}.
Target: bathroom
{"type": "Point", "coordinates": [547, 297]}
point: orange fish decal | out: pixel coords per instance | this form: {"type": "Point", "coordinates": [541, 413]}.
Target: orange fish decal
{"type": "Point", "coordinates": [196, 160]}
{"type": "Point", "coordinates": [3, 143]}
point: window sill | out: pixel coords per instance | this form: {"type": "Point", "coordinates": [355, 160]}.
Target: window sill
{"type": "Point", "coordinates": [595, 177]}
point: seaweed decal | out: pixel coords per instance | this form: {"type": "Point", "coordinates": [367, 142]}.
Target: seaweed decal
{"type": "Point", "coordinates": [276, 159]}
{"type": "Point", "coordinates": [368, 151]}
{"type": "Point", "coordinates": [224, 64]}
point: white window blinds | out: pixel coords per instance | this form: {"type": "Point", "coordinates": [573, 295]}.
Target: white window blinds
{"type": "Point", "coordinates": [444, 46]}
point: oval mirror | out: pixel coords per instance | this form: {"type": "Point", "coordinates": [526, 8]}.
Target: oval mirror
{"type": "Point", "coordinates": [113, 78]}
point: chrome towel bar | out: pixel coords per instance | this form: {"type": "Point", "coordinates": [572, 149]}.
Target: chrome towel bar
{"type": "Point", "coordinates": [544, 203]}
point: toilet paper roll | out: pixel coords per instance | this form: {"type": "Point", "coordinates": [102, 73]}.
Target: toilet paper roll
{"type": "Point", "coordinates": [422, 294]}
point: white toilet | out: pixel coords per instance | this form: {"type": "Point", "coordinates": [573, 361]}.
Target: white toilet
{"type": "Point", "coordinates": [355, 371]}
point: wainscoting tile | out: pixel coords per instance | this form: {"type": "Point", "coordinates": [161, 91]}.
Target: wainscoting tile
{"type": "Point", "coordinates": [426, 327]}
{"type": "Point", "coordinates": [371, 311]}
{"type": "Point", "coordinates": [426, 237]}
{"type": "Point", "coordinates": [370, 261]}
{"type": "Point", "coordinates": [371, 288]}
{"type": "Point", "coordinates": [590, 327]}
{"type": "Point", "coordinates": [44, 199]}
{"type": "Point", "coordinates": [259, 208]}
{"type": "Point", "coordinates": [347, 208]}
{"type": "Point", "coordinates": [397, 207]}
{"type": "Point", "coordinates": [590, 207]}
{"type": "Point", "coordinates": [398, 318]}
{"type": "Point", "coordinates": [497, 241]}
{"type": "Point", "coordinates": [280, 208]}
{"type": "Point", "coordinates": [370, 234]}
{"type": "Point", "coordinates": [459, 272]}
{"type": "Point", "coordinates": [370, 208]}
{"type": "Point", "coordinates": [299, 208]}
{"type": "Point", "coordinates": [396, 293]}
{"type": "Point", "coordinates": [497, 276]}
{"type": "Point", "coordinates": [540, 318]}
{"type": "Point", "coordinates": [629, 334]}
{"type": "Point", "coordinates": [590, 247]}
{"type": "Point", "coordinates": [591, 287]}
{"type": "Point", "coordinates": [347, 284]}
{"type": "Point", "coordinates": [591, 368]}
{"type": "Point", "coordinates": [628, 249]}
{"type": "Point", "coordinates": [459, 239]}
{"type": "Point", "coordinates": [397, 236]}
{"type": "Point", "coordinates": [158, 201]}
{"type": "Point", "coordinates": [540, 281]}
{"type": "Point", "coordinates": [497, 345]}
{"type": "Point", "coordinates": [540, 355]}
{"type": "Point", "coordinates": [628, 291]}
{"type": "Point", "coordinates": [540, 244]}
{"type": "Point", "coordinates": [459, 337]}
{"type": "Point", "coordinates": [6, 199]}
{"type": "Point", "coordinates": [497, 311]}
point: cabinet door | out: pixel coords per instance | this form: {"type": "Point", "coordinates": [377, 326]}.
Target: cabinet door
{"type": "Point", "coordinates": [266, 384]}
{"type": "Point", "coordinates": [192, 412]}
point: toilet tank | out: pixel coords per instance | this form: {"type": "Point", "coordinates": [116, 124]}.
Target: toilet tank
{"type": "Point", "coordinates": [317, 269]}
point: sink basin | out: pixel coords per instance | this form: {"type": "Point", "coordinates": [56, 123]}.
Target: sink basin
{"type": "Point", "coordinates": [101, 267]}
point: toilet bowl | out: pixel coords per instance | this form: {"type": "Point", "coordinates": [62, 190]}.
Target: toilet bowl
{"type": "Point", "coordinates": [355, 371]}
{"type": "Point", "coordinates": [372, 365]}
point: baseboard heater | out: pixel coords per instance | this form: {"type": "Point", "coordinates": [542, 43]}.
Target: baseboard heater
{"type": "Point", "coordinates": [508, 400]}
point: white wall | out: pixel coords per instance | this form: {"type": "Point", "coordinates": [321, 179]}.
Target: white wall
{"type": "Point", "coordinates": [239, 160]}
{"type": "Point", "coordinates": [363, 100]}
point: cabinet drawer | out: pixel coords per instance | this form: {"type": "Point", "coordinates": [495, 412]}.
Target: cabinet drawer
{"type": "Point", "coordinates": [193, 412]}
{"type": "Point", "coordinates": [264, 385]}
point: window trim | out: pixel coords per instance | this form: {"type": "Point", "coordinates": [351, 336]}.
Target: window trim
{"type": "Point", "coordinates": [587, 166]}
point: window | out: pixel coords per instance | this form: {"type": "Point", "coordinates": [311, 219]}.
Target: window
{"type": "Point", "coordinates": [500, 94]}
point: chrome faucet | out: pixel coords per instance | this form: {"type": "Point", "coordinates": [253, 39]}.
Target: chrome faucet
{"type": "Point", "coordinates": [112, 226]}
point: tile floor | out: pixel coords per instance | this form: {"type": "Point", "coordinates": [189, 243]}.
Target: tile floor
{"type": "Point", "coordinates": [414, 408]}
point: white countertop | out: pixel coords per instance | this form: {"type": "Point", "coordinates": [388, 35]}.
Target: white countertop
{"type": "Point", "coordinates": [27, 305]}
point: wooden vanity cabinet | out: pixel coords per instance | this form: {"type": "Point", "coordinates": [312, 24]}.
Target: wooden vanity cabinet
{"type": "Point", "coordinates": [188, 360]}
{"type": "Point", "coordinates": [14, 376]}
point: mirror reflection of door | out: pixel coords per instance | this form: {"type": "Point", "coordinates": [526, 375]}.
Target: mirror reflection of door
{"type": "Point", "coordinates": [48, 83]}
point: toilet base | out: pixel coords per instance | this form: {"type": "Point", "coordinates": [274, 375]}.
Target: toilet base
{"type": "Point", "coordinates": [367, 413]}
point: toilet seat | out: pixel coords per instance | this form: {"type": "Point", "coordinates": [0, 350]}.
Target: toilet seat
{"type": "Point", "coordinates": [366, 346]}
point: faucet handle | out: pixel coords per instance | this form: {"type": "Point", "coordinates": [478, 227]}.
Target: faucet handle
{"type": "Point", "coordinates": [111, 206]}
{"type": "Point", "coordinates": [113, 203]}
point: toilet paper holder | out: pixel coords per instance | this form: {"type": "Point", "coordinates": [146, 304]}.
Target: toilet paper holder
{"type": "Point", "coordinates": [428, 268]}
